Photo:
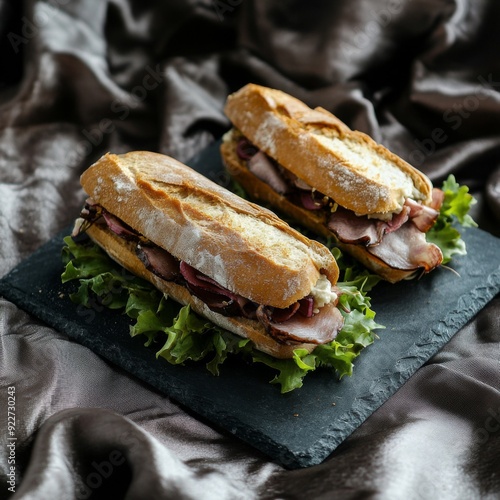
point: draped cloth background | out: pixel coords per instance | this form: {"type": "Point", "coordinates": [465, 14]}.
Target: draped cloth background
{"type": "Point", "coordinates": [81, 78]}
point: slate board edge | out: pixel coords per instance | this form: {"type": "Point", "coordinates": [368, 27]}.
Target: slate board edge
{"type": "Point", "coordinates": [354, 418]}
{"type": "Point", "coordinates": [324, 446]}
{"type": "Point", "coordinates": [277, 451]}
{"type": "Point", "coordinates": [327, 442]}
{"type": "Point", "coordinates": [29, 302]}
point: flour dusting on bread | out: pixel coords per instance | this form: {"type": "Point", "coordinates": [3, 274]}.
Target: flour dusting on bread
{"type": "Point", "coordinates": [262, 136]}
{"type": "Point", "coordinates": [307, 142]}
{"type": "Point", "coordinates": [244, 247]}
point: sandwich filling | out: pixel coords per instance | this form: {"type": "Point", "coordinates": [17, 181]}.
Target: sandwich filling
{"type": "Point", "coordinates": [398, 239]}
{"type": "Point", "coordinates": [313, 319]}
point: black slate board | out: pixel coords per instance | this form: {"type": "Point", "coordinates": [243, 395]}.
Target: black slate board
{"type": "Point", "coordinates": [301, 428]}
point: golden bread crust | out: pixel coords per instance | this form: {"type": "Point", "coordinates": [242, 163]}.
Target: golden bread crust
{"type": "Point", "coordinates": [245, 248]}
{"type": "Point", "coordinates": [346, 165]}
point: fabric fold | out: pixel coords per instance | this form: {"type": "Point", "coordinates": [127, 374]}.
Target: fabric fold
{"type": "Point", "coordinates": [83, 78]}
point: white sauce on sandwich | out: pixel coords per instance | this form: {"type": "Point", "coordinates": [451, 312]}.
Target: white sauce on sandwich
{"type": "Point", "coordinates": [322, 293]}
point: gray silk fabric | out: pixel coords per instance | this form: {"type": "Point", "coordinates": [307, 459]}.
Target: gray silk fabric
{"type": "Point", "coordinates": [82, 78]}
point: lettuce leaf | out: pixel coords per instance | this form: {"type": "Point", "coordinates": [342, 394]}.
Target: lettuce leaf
{"type": "Point", "coordinates": [181, 336]}
{"type": "Point", "coordinates": [454, 210]}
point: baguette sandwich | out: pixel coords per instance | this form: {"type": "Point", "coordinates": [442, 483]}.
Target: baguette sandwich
{"type": "Point", "coordinates": [339, 183]}
{"type": "Point", "coordinates": [233, 262]}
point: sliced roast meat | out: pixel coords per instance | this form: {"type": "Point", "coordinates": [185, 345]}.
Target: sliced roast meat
{"type": "Point", "coordinates": [220, 303]}
{"type": "Point", "coordinates": [295, 324]}
{"type": "Point", "coordinates": [245, 149]}
{"type": "Point", "coordinates": [159, 262]}
{"type": "Point", "coordinates": [312, 200]}
{"type": "Point", "coordinates": [216, 297]}
{"type": "Point", "coordinates": [437, 198]}
{"type": "Point", "coordinates": [281, 315]}
{"type": "Point", "coordinates": [320, 328]}
{"type": "Point", "coordinates": [396, 222]}
{"type": "Point", "coordinates": [422, 216]}
{"type": "Point", "coordinates": [199, 280]}
{"type": "Point", "coordinates": [91, 211]}
{"type": "Point", "coordinates": [267, 171]}
{"type": "Point", "coordinates": [350, 228]}
{"type": "Point", "coordinates": [407, 249]}
{"type": "Point", "coordinates": [119, 227]}
{"type": "Point", "coordinates": [306, 306]}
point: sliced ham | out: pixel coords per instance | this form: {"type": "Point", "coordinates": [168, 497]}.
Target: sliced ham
{"type": "Point", "coordinates": [400, 242]}
{"type": "Point", "coordinates": [407, 249]}
{"type": "Point", "coordinates": [350, 228]}
{"type": "Point", "coordinates": [320, 328]}
{"type": "Point", "coordinates": [422, 216]}
{"type": "Point", "coordinates": [397, 220]}
{"type": "Point", "coordinates": [218, 302]}
{"type": "Point", "coordinates": [267, 171]}
{"type": "Point", "coordinates": [294, 324]}
{"type": "Point", "coordinates": [282, 315]}
{"type": "Point", "coordinates": [306, 306]}
{"type": "Point", "coordinates": [437, 198]}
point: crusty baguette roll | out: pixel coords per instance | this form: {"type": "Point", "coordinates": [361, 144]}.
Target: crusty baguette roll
{"type": "Point", "coordinates": [315, 221]}
{"type": "Point", "coordinates": [123, 252]}
{"type": "Point", "coordinates": [356, 172]}
{"type": "Point", "coordinates": [353, 182]}
{"type": "Point", "coordinates": [242, 246]}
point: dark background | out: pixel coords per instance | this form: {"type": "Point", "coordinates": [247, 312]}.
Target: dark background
{"type": "Point", "coordinates": [79, 78]}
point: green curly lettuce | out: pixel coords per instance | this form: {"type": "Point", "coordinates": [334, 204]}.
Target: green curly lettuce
{"type": "Point", "coordinates": [182, 336]}
{"type": "Point", "coordinates": [454, 210]}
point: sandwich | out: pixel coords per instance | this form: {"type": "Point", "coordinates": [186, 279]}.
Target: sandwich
{"type": "Point", "coordinates": [231, 261]}
{"type": "Point", "coordinates": [243, 283]}
{"type": "Point", "coordinates": [339, 183]}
